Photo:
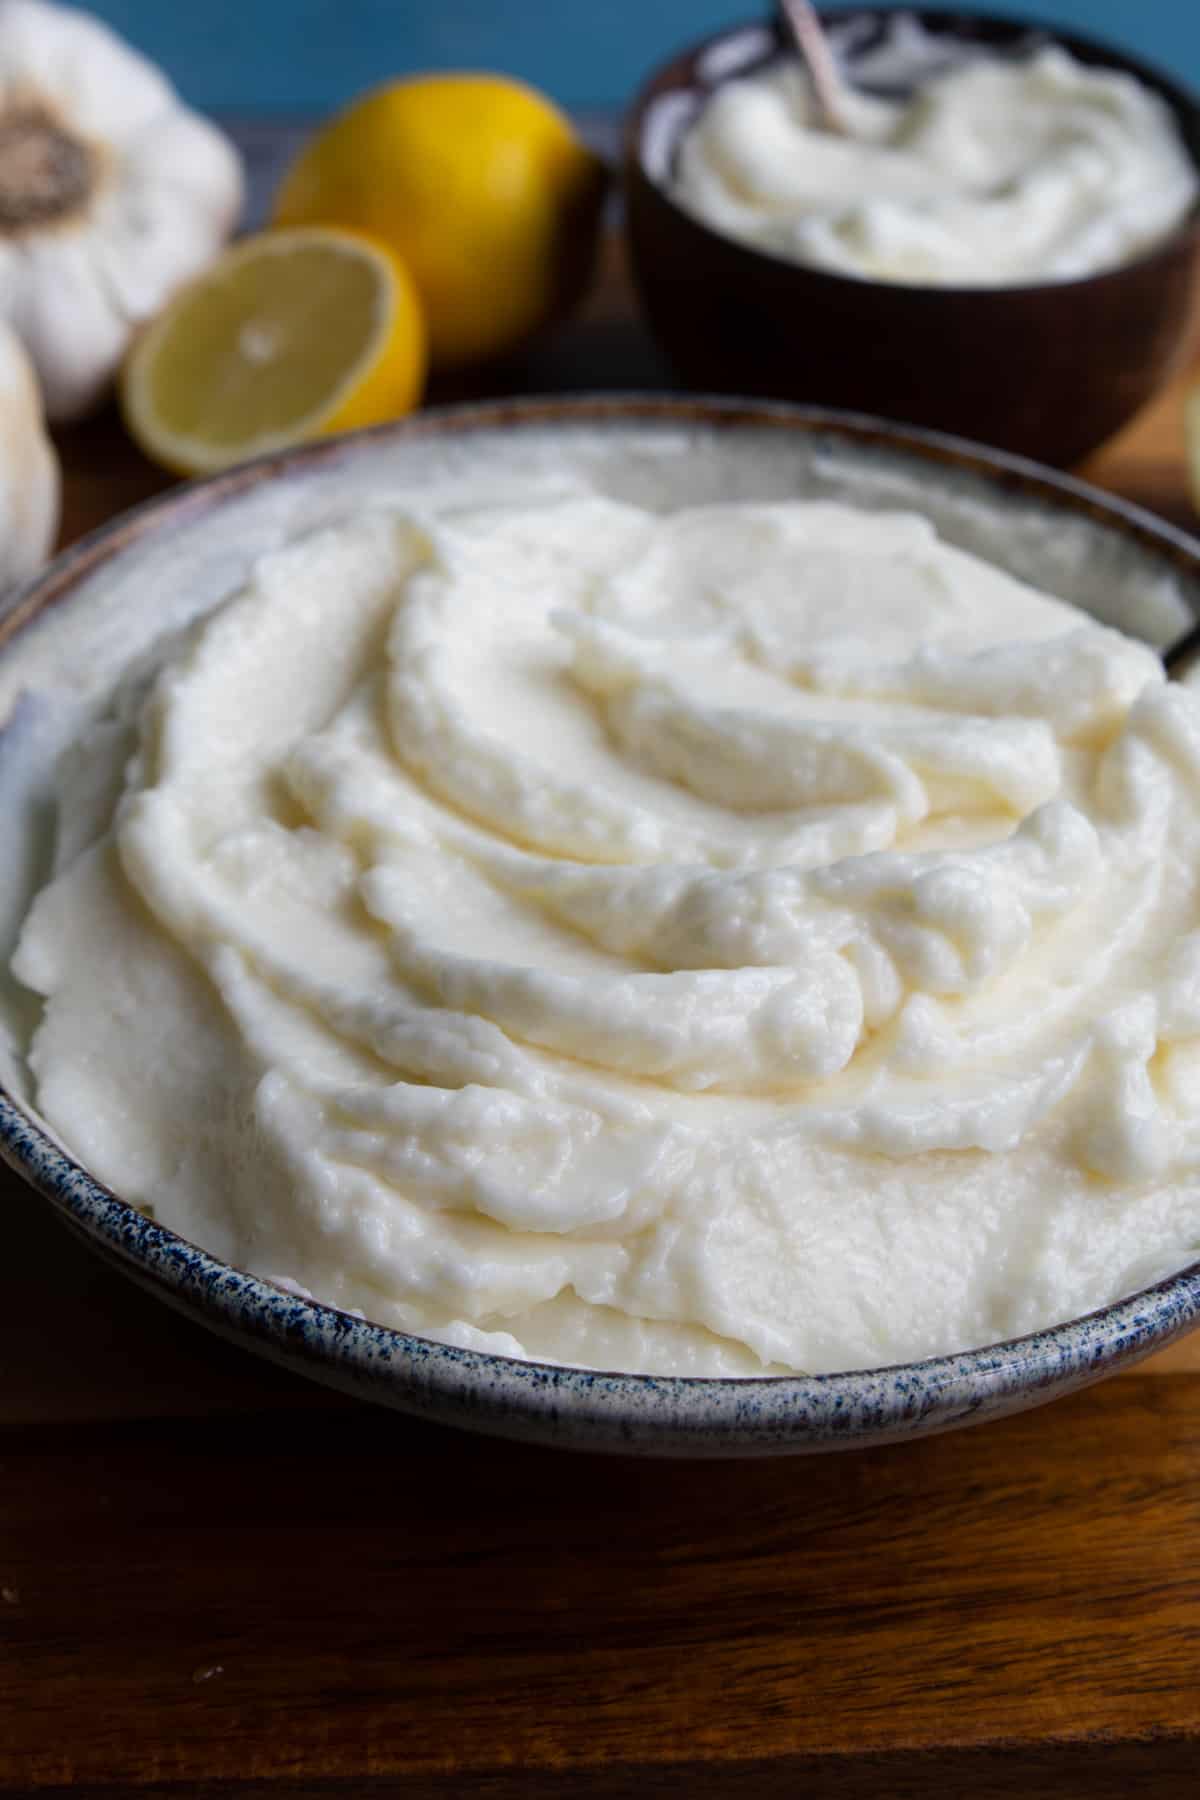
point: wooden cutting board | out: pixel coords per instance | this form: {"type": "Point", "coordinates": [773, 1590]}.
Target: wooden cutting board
{"type": "Point", "coordinates": [216, 1580]}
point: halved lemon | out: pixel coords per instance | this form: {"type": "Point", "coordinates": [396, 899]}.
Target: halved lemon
{"type": "Point", "coordinates": [290, 335]}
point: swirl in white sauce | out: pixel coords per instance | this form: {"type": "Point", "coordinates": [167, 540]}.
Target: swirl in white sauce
{"type": "Point", "coordinates": [757, 937]}
{"type": "Point", "coordinates": [996, 173]}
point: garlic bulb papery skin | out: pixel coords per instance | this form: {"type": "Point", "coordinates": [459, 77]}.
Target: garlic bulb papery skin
{"type": "Point", "coordinates": [29, 477]}
{"type": "Point", "coordinates": [112, 194]}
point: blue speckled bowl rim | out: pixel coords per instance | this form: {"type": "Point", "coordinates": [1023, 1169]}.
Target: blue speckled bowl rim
{"type": "Point", "coordinates": [571, 1407]}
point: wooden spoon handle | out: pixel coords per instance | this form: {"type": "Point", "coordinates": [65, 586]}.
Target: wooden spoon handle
{"type": "Point", "coordinates": [813, 45]}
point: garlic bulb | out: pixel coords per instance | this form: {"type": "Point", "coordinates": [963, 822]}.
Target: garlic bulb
{"type": "Point", "coordinates": [29, 485]}
{"type": "Point", "coordinates": [112, 193]}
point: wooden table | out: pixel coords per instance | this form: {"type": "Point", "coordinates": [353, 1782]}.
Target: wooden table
{"type": "Point", "coordinates": [216, 1580]}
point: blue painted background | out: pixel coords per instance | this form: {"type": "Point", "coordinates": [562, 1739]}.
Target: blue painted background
{"type": "Point", "coordinates": [307, 55]}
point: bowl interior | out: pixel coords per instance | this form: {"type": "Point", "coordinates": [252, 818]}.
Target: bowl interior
{"type": "Point", "coordinates": [110, 600]}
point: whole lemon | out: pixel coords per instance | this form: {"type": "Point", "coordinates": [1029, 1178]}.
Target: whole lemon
{"type": "Point", "coordinates": [479, 184]}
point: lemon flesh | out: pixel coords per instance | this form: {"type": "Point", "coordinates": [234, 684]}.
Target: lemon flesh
{"type": "Point", "coordinates": [291, 335]}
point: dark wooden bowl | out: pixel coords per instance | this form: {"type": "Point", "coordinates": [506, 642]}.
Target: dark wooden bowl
{"type": "Point", "coordinates": [1049, 370]}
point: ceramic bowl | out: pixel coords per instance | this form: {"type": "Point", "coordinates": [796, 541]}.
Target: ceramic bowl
{"type": "Point", "coordinates": [1049, 370]}
{"type": "Point", "coordinates": [192, 547]}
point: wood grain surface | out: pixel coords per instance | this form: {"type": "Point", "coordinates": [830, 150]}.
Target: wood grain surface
{"type": "Point", "coordinates": [217, 1580]}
